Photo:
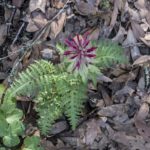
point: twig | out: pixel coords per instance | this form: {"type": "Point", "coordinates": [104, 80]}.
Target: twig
{"type": "Point", "coordinates": [19, 31]}
{"type": "Point", "coordinates": [9, 23]}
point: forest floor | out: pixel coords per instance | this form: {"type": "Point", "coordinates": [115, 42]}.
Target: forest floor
{"type": "Point", "coordinates": [117, 115]}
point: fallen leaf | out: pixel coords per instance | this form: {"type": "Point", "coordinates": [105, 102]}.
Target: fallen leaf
{"type": "Point", "coordinates": [31, 27]}
{"type": "Point", "coordinates": [92, 132]}
{"type": "Point", "coordinates": [47, 53]}
{"type": "Point", "coordinates": [137, 30]}
{"type": "Point", "coordinates": [117, 5]}
{"type": "Point", "coordinates": [85, 9]}
{"type": "Point", "coordinates": [17, 3]}
{"type": "Point", "coordinates": [140, 4]}
{"type": "Point", "coordinates": [3, 33]}
{"type": "Point", "coordinates": [107, 100]}
{"type": "Point", "coordinates": [58, 3]}
{"type": "Point", "coordinates": [37, 4]}
{"type": "Point", "coordinates": [120, 35]}
{"type": "Point", "coordinates": [131, 142]}
{"type": "Point", "coordinates": [147, 36]}
{"type": "Point", "coordinates": [56, 26]}
{"type": "Point", "coordinates": [131, 42]}
{"type": "Point", "coordinates": [141, 125]}
{"type": "Point", "coordinates": [39, 19]}
{"type": "Point", "coordinates": [147, 43]}
{"type": "Point", "coordinates": [94, 34]}
{"type": "Point", "coordinates": [58, 128]}
{"type": "Point", "coordinates": [102, 78]}
{"type": "Point", "coordinates": [145, 59]}
{"type": "Point", "coordinates": [112, 111]}
{"type": "Point", "coordinates": [144, 25]}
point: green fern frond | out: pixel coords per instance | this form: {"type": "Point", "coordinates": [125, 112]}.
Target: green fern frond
{"type": "Point", "coordinates": [108, 53]}
{"type": "Point", "coordinates": [74, 100]}
{"type": "Point", "coordinates": [49, 109]}
{"type": "Point", "coordinates": [30, 80]}
{"type": "Point", "coordinates": [49, 104]}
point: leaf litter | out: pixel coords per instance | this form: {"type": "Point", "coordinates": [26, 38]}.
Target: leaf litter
{"type": "Point", "coordinates": [116, 116]}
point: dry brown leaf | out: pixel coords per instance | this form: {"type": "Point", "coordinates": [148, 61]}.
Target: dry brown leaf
{"type": "Point", "coordinates": [3, 33]}
{"type": "Point", "coordinates": [118, 5]}
{"type": "Point", "coordinates": [120, 35]}
{"type": "Point", "coordinates": [147, 36]}
{"type": "Point", "coordinates": [145, 59]}
{"type": "Point", "coordinates": [85, 9]}
{"type": "Point", "coordinates": [108, 101]}
{"type": "Point", "coordinates": [102, 78]}
{"type": "Point", "coordinates": [50, 13]}
{"type": "Point", "coordinates": [137, 30]}
{"type": "Point", "coordinates": [94, 2]}
{"type": "Point", "coordinates": [56, 26]}
{"type": "Point", "coordinates": [58, 127]}
{"type": "Point", "coordinates": [131, 40]}
{"type": "Point", "coordinates": [92, 131]}
{"type": "Point", "coordinates": [140, 118]}
{"type": "Point", "coordinates": [58, 3]}
{"type": "Point", "coordinates": [147, 43]}
{"type": "Point", "coordinates": [112, 111]}
{"type": "Point", "coordinates": [144, 25]}
{"type": "Point", "coordinates": [148, 17]}
{"type": "Point", "coordinates": [135, 142]}
{"type": "Point", "coordinates": [31, 27]}
{"type": "Point", "coordinates": [3, 75]}
{"type": "Point", "coordinates": [125, 77]}
{"type": "Point", "coordinates": [37, 4]}
{"type": "Point", "coordinates": [48, 145]}
{"type": "Point", "coordinates": [134, 14]}
{"type": "Point", "coordinates": [39, 19]}
{"type": "Point", "coordinates": [17, 3]}
{"type": "Point", "coordinates": [94, 34]}
{"type": "Point", "coordinates": [47, 53]}
{"type": "Point", "coordinates": [140, 4]}
{"type": "Point", "coordinates": [125, 90]}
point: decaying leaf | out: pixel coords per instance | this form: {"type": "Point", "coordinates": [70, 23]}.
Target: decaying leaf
{"type": "Point", "coordinates": [31, 27]}
{"type": "Point", "coordinates": [140, 122]}
{"type": "Point", "coordinates": [39, 19]}
{"type": "Point", "coordinates": [37, 4]}
{"type": "Point", "coordinates": [131, 42]}
{"type": "Point", "coordinates": [3, 33]}
{"type": "Point", "coordinates": [120, 35]}
{"type": "Point", "coordinates": [56, 26]}
{"type": "Point", "coordinates": [145, 59]}
{"type": "Point", "coordinates": [137, 30]}
{"type": "Point", "coordinates": [111, 111]}
{"type": "Point", "coordinates": [18, 3]}
{"type": "Point", "coordinates": [85, 9]}
{"type": "Point", "coordinates": [58, 3]}
{"type": "Point", "coordinates": [92, 131]}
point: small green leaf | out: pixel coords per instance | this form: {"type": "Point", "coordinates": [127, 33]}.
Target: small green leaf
{"type": "Point", "coordinates": [2, 88]}
{"type": "Point", "coordinates": [2, 148]}
{"type": "Point", "coordinates": [17, 128]}
{"type": "Point", "coordinates": [60, 47]}
{"type": "Point", "coordinates": [14, 115]}
{"type": "Point", "coordinates": [11, 141]}
{"type": "Point", "coordinates": [3, 126]}
{"type": "Point", "coordinates": [32, 143]}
